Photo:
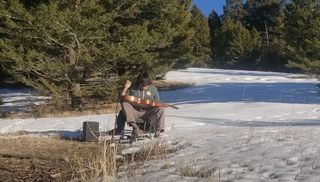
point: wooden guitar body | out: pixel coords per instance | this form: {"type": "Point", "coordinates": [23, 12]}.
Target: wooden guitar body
{"type": "Point", "coordinates": [145, 102]}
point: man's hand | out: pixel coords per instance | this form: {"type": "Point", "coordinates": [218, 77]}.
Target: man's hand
{"type": "Point", "coordinates": [127, 84]}
{"type": "Point", "coordinates": [125, 87]}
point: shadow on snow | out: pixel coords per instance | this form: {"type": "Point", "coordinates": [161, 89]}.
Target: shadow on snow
{"type": "Point", "coordinates": [64, 134]}
{"type": "Point", "coordinates": [279, 92]}
{"type": "Point", "coordinates": [242, 123]}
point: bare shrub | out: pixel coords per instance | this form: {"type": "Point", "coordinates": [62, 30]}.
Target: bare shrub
{"type": "Point", "coordinates": [189, 171]}
{"type": "Point", "coordinates": [100, 166]}
{"type": "Point", "coordinates": [156, 149]}
{"type": "Point", "coordinates": [152, 150]}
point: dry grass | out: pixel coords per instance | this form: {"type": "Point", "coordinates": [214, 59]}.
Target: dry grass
{"type": "Point", "coordinates": [35, 158]}
{"type": "Point", "coordinates": [102, 166]}
{"type": "Point", "coordinates": [189, 171]}
{"type": "Point", "coordinates": [50, 111]}
{"type": "Point", "coordinates": [155, 149]}
{"type": "Point", "coordinates": [89, 110]}
{"type": "Point", "coordinates": [32, 158]}
{"type": "Point", "coordinates": [132, 163]}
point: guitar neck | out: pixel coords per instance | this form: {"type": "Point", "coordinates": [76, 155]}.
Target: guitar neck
{"type": "Point", "coordinates": [146, 103]}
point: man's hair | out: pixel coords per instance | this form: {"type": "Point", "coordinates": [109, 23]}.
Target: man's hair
{"type": "Point", "coordinates": [144, 78]}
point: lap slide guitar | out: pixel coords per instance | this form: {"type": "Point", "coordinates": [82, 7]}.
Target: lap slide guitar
{"type": "Point", "coordinates": [145, 102]}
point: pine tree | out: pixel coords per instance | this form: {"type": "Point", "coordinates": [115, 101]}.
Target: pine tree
{"type": "Point", "coordinates": [236, 45]}
{"type": "Point", "coordinates": [77, 50]}
{"type": "Point", "coordinates": [233, 10]}
{"type": "Point", "coordinates": [52, 48]}
{"type": "Point", "coordinates": [303, 35]}
{"type": "Point", "coordinates": [200, 53]}
{"type": "Point", "coordinates": [214, 22]}
{"type": "Point", "coordinates": [267, 17]}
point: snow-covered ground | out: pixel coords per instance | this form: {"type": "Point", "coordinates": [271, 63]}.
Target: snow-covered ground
{"type": "Point", "coordinates": [19, 99]}
{"type": "Point", "coordinates": [244, 125]}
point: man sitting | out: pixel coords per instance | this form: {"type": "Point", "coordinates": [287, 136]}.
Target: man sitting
{"type": "Point", "coordinates": [142, 88]}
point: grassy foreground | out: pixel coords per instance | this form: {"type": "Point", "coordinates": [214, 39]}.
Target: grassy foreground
{"type": "Point", "coordinates": [35, 158]}
{"type": "Point", "coordinates": [31, 158]}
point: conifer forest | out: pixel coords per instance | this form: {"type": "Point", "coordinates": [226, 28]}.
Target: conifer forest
{"type": "Point", "coordinates": [81, 51]}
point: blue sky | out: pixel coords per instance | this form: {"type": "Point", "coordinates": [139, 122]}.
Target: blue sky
{"type": "Point", "coordinates": [207, 6]}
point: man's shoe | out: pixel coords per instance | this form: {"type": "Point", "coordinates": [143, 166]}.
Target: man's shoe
{"type": "Point", "coordinates": [115, 132]}
{"type": "Point", "coordinates": [135, 132]}
{"type": "Point", "coordinates": [157, 134]}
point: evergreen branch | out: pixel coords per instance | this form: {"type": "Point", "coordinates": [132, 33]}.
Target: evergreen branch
{"type": "Point", "coordinates": [45, 84]}
{"type": "Point", "coordinates": [43, 75]}
{"type": "Point", "coordinates": [125, 11]}
{"type": "Point", "coordinates": [120, 6]}
{"type": "Point", "coordinates": [30, 23]}
{"type": "Point", "coordinates": [75, 38]}
{"type": "Point", "coordinates": [55, 41]}
{"type": "Point", "coordinates": [48, 36]}
{"type": "Point", "coordinates": [28, 36]}
{"type": "Point", "coordinates": [15, 18]}
{"type": "Point", "coordinates": [71, 33]}
{"type": "Point", "coordinates": [47, 76]}
{"type": "Point", "coordinates": [68, 79]}
{"type": "Point", "coordinates": [93, 38]}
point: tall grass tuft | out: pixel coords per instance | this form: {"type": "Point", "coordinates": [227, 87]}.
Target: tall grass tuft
{"type": "Point", "coordinates": [101, 166]}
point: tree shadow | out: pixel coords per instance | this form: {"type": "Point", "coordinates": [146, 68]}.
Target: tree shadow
{"type": "Point", "coordinates": [279, 92]}
{"type": "Point", "coordinates": [243, 123]}
{"type": "Point", "coordinates": [19, 99]}
{"type": "Point", "coordinates": [229, 72]}
{"type": "Point", "coordinates": [63, 134]}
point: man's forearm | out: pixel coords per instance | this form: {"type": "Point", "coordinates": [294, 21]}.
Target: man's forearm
{"type": "Point", "coordinates": [126, 87]}
{"type": "Point", "coordinates": [124, 91]}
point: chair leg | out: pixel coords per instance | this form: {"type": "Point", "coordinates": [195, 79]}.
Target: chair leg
{"type": "Point", "coordinates": [144, 126]}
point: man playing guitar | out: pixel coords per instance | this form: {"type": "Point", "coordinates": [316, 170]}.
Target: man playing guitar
{"type": "Point", "coordinates": [133, 110]}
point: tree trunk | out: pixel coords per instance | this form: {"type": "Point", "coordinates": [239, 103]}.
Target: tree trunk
{"type": "Point", "coordinates": [76, 97]}
{"type": "Point", "coordinates": [267, 33]}
{"type": "Point", "coordinates": [75, 88]}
